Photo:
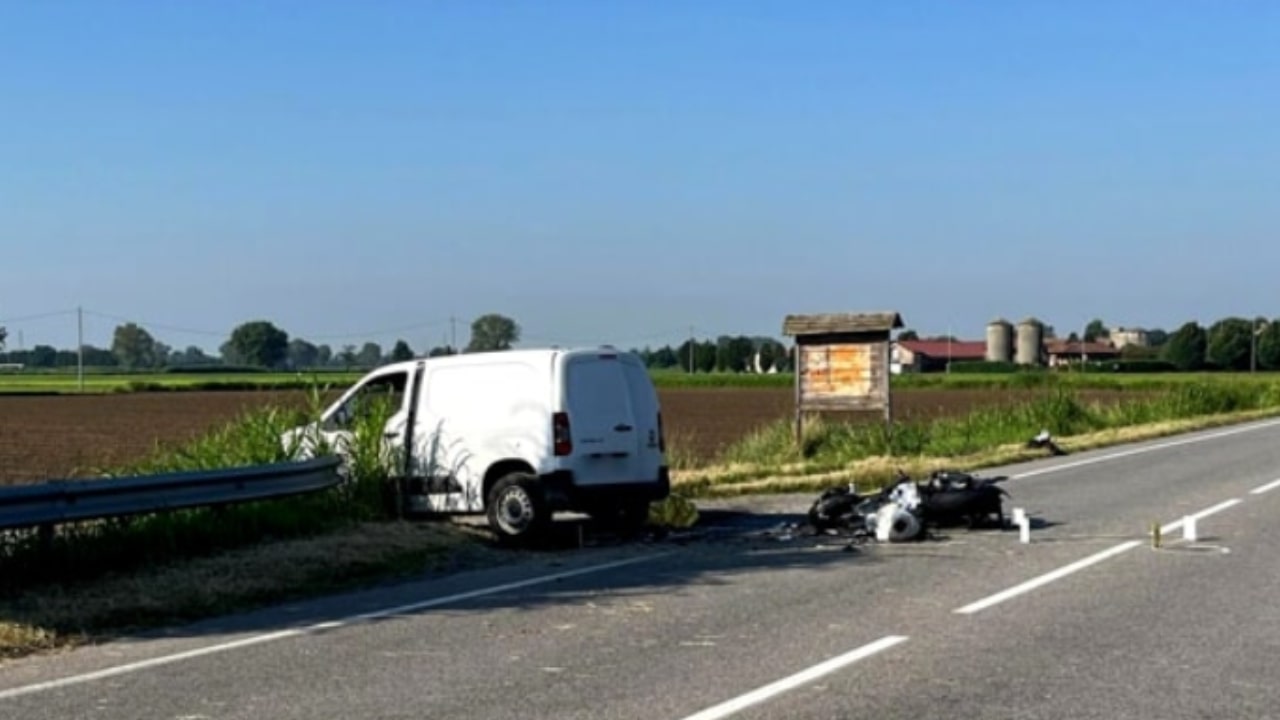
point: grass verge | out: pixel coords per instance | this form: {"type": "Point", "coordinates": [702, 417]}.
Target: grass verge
{"type": "Point", "coordinates": [874, 472]}
{"type": "Point", "coordinates": [983, 437]}
{"type": "Point", "coordinates": [66, 614]}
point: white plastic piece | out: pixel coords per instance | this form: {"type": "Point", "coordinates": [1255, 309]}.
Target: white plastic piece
{"type": "Point", "coordinates": [1018, 515]}
{"type": "Point", "coordinates": [884, 521]}
{"type": "Point", "coordinates": [1189, 528]}
{"type": "Point", "coordinates": [1024, 529]}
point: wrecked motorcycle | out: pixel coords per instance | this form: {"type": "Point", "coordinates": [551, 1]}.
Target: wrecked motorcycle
{"type": "Point", "coordinates": [950, 497]}
{"type": "Point", "coordinates": [903, 510]}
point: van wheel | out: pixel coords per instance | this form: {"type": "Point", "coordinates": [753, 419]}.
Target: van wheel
{"type": "Point", "coordinates": [517, 508]}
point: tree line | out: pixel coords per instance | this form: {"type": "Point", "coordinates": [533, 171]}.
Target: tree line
{"type": "Point", "coordinates": [253, 344]}
{"type": "Point", "coordinates": [1232, 343]}
{"type": "Point", "coordinates": [727, 353]}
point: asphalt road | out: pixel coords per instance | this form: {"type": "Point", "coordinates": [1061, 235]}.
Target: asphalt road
{"type": "Point", "coordinates": [1085, 621]}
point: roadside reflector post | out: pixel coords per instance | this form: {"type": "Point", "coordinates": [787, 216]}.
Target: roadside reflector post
{"type": "Point", "coordinates": [1024, 525]}
{"type": "Point", "coordinates": [1189, 528]}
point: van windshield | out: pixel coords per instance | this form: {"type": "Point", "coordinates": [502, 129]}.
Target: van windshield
{"type": "Point", "coordinates": [380, 396]}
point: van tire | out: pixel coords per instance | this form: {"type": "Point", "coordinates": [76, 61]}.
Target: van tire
{"type": "Point", "coordinates": [518, 509]}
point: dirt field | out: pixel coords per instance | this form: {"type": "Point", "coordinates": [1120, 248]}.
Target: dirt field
{"type": "Point", "coordinates": [70, 436]}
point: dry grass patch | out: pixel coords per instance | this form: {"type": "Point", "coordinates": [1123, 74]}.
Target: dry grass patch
{"type": "Point", "coordinates": [51, 617]}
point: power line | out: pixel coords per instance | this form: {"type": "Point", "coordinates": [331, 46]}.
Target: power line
{"type": "Point", "coordinates": [41, 316]}
{"type": "Point", "coordinates": [157, 326]}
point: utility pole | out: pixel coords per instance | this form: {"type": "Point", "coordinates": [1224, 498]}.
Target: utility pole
{"type": "Point", "coordinates": [693, 346]}
{"type": "Point", "coordinates": [80, 348]}
{"type": "Point", "coordinates": [453, 333]}
{"type": "Point", "coordinates": [1253, 345]}
{"type": "Point", "coordinates": [948, 349]}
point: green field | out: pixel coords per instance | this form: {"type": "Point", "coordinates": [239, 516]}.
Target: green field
{"type": "Point", "coordinates": [108, 380]}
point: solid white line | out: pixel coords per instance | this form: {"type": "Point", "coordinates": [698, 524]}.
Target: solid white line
{"type": "Point", "coordinates": [741, 702]}
{"type": "Point", "coordinates": [1145, 449]}
{"type": "Point", "coordinates": [1047, 578]}
{"type": "Point", "coordinates": [328, 625]}
{"type": "Point", "coordinates": [1265, 488]}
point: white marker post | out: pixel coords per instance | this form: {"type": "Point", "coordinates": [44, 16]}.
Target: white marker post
{"type": "Point", "coordinates": [1024, 525]}
{"type": "Point", "coordinates": [1189, 528]}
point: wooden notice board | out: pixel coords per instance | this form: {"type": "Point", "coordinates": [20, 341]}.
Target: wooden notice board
{"type": "Point", "coordinates": [842, 363]}
{"type": "Point", "coordinates": [849, 376]}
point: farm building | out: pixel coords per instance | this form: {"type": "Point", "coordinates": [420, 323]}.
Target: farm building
{"type": "Point", "coordinates": [1066, 352]}
{"type": "Point", "coordinates": [1121, 337]}
{"type": "Point", "coordinates": [933, 355]}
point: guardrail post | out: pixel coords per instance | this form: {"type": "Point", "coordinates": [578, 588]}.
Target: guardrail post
{"type": "Point", "coordinates": [45, 536]}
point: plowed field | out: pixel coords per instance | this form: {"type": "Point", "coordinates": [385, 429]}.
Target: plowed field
{"type": "Point", "coordinates": [68, 436]}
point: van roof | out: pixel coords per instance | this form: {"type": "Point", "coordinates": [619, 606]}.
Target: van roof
{"type": "Point", "coordinates": [537, 355]}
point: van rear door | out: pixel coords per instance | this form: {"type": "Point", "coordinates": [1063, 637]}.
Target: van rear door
{"type": "Point", "coordinates": [606, 437]}
{"type": "Point", "coordinates": [647, 412]}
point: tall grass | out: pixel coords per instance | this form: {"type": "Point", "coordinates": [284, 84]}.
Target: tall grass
{"type": "Point", "coordinates": [88, 550]}
{"type": "Point", "coordinates": [1060, 410]}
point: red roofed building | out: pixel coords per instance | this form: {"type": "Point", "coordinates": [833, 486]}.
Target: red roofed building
{"type": "Point", "coordinates": [930, 355]}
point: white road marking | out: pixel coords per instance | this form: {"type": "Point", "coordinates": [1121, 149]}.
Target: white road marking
{"type": "Point", "coordinates": [1086, 562]}
{"type": "Point", "coordinates": [742, 702]}
{"type": "Point", "coordinates": [1047, 578]}
{"type": "Point", "coordinates": [1170, 527]}
{"type": "Point", "coordinates": [1265, 488]}
{"type": "Point", "coordinates": [1145, 449]}
{"type": "Point", "coordinates": [329, 625]}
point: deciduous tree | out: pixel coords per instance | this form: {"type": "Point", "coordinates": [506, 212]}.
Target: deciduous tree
{"type": "Point", "coordinates": [401, 351]}
{"type": "Point", "coordinates": [493, 332]}
{"type": "Point", "coordinates": [1186, 347]}
{"type": "Point", "coordinates": [370, 355]}
{"type": "Point", "coordinates": [1095, 330]}
{"type": "Point", "coordinates": [257, 342]}
{"type": "Point", "coordinates": [1229, 344]}
{"type": "Point", "coordinates": [302, 354]}
{"type": "Point", "coordinates": [134, 347]}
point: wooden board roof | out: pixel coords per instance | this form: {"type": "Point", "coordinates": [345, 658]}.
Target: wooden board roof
{"type": "Point", "coordinates": [830, 323]}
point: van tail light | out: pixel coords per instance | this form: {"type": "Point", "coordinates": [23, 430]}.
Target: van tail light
{"type": "Point", "coordinates": [560, 434]}
{"type": "Point", "coordinates": [662, 436]}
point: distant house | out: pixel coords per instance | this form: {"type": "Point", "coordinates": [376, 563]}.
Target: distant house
{"type": "Point", "coordinates": [933, 355]}
{"type": "Point", "coordinates": [1128, 336]}
{"type": "Point", "coordinates": [1066, 352]}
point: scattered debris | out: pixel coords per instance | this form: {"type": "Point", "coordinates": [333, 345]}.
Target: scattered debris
{"type": "Point", "coordinates": [1044, 440]}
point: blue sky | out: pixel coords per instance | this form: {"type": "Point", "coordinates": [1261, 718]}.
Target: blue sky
{"type": "Point", "coordinates": [619, 171]}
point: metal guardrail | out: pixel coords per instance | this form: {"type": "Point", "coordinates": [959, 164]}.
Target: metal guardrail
{"type": "Point", "coordinates": [62, 501]}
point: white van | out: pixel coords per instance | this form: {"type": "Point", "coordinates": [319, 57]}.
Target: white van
{"type": "Point", "coordinates": [519, 434]}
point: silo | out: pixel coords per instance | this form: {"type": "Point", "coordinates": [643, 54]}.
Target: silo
{"type": "Point", "coordinates": [999, 341]}
{"type": "Point", "coordinates": [1030, 342]}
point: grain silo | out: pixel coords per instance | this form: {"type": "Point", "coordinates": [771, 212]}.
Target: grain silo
{"type": "Point", "coordinates": [1030, 342]}
{"type": "Point", "coordinates": [1000, 341]}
